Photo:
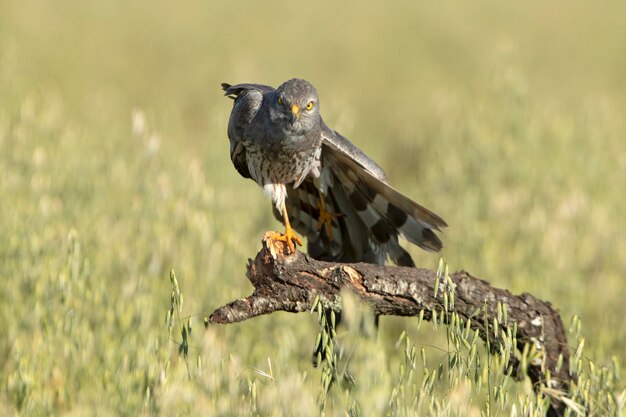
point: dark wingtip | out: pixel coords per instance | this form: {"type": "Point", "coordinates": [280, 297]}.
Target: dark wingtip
{"type": "Point", "coordinates": [436, 221]}
{"type": "Point", "coordinates": [226, 88]}
{"type": "Point", "coordinates": [431, 241]}
{"type": "Point", "coordinates": [405, 259]}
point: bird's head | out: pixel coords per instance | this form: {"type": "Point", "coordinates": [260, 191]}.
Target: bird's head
{"type": "Point", "coordinates": [296, 105]}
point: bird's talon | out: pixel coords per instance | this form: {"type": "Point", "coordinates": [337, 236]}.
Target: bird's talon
{"type": "Point", "coordinates": [289, 237]}
{"type": "Point", "coordinates": [326, 218]}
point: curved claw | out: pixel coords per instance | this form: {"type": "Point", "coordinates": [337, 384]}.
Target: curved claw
{"type": "Point", "coordinates": [288, 237]}
{"type": "Point", "coordinates": [326, 218]}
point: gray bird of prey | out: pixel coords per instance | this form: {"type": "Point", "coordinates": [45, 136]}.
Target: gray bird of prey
{"type": "Point", "coordinates": [321, 185]}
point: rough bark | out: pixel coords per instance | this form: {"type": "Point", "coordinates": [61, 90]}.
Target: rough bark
{"type": "Point", "coordinates": [292, 282]}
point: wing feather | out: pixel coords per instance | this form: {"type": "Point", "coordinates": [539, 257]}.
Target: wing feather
{"type": "Point", "coordinates": [248, 99]}
{"type": "Point", "coordinates": [377, 201]}
{"type": "Point", "coordinates": [342, 144]}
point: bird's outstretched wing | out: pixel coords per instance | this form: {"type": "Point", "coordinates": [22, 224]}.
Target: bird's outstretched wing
{"type": "Point", "coordinates": [342, 144]}
{"type": "Point", "coordinates": [370, 214]}
{"type": "Point", "coordinates": [248, 99]}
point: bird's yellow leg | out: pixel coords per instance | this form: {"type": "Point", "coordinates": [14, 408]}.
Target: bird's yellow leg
{"type": "Point", "coordinates": [289, 236]}
{"type": "Point", "coordinates": [325, 217]}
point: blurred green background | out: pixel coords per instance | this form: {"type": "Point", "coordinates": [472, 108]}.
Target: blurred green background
{"type": "Point", "coordinates": [508, 119]}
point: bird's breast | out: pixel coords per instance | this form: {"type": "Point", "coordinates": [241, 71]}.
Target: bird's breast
{"type": "Point", "coordinates": [281, 164]}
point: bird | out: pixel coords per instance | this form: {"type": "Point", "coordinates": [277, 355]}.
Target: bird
{"type": "Point", "coordinates": [321, 185]}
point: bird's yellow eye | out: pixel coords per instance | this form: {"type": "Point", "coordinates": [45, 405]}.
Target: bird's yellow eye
{"type": "Point", "coordinates": [280, 101]}
{"type": "Point", "coordinates": [309, 106]}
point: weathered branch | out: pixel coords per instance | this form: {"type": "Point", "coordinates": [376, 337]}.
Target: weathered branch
{"type": "Point", "coordinates": [292, 282]}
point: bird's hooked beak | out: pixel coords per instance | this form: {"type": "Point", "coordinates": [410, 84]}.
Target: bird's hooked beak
{"type": "Point", "coordinates": [295, 113]}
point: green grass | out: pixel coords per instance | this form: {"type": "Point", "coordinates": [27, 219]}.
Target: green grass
{"type": "Point", "coordinates": [506, 119]}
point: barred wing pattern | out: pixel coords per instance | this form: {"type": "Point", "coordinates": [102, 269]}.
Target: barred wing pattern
{"type": "Point", "coordinates": [372, 214]}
